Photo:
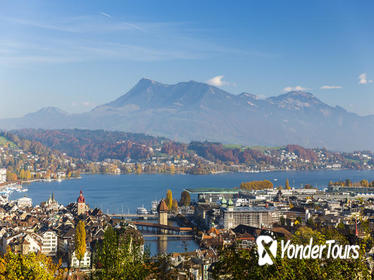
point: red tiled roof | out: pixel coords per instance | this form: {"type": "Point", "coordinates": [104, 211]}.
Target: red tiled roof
{"type": "Point", "coordinates": [162, 206]}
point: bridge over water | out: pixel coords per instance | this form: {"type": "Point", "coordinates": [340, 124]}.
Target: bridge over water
{"type": "Point", "coordinates": [133, 216]}
{"type": "Point", "coordinates": [162, 228]}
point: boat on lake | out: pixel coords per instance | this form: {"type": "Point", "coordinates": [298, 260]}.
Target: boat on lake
{"type": "Point", "coordinates": [141, 211]}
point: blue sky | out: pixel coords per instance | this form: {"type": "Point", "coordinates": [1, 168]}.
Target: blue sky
{"type": "Point", "coordinates": [78, 54]}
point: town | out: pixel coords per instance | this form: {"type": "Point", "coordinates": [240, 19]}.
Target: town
{"type": "Point", "coordinates": [27, 156]}
{"type": "Point", "coordinates": [216, 218]}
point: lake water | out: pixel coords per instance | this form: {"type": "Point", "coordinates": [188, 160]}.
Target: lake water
{"type": "Point", "coordinates": [124, 193]}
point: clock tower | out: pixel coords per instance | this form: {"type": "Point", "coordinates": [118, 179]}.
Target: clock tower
{"type": "Point", "coordinates": [81, 204]}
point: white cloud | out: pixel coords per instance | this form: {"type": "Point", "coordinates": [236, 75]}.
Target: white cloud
{"type": "Point", "coordinates": [105, 15]}
{"type": "Point", "coordinates": [330, 87]}
{"type": "Point", "coordinates": [123, 41]}
{"type": "Point", "coordinates": [83, 104]}
{"type": "Point", "coordinates": [217, 81]}
{"type": "Point", "coordinates": [363, 80]}
{"type": "Point", "coordinates": [296, 88]}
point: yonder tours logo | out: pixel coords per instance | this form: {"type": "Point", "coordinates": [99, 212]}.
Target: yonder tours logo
{"type": "Point", "coordinates": [267, 248]}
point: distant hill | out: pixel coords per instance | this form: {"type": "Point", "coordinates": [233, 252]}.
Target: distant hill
{"type": "Point", "coordinates": [94, 145]}
{"type": "Point", "coordinates": [191, 110]}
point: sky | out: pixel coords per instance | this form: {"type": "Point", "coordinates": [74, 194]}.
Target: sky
{"type": "Point", "coordinates": [78, 54]}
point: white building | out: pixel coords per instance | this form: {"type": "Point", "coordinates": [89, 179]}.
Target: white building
{"type": "Point", "coordinates": [84, 263]}
{"type": "Point", "coordinates": [24, 202]}
{"type": "Point", "coordinates": [49, 243]}
{"type": "Point", "coordinates": [251, 216]}
{"type": "Point", "coordinates": [2, 175]}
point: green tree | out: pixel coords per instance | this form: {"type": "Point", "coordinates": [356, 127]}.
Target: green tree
{"type": "Point", "coordinates": [348, 183]}
{"type": "Point", "coordinates": [185, 198]}
{"type": "Point", "coordinates": [236, 263]}
{"type": "Point", "coordinates": [80, 240]}
{"type": "Point", "coordinates": [120, 255]}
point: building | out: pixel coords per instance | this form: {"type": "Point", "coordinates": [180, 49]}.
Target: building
{"type": "Point", "coordinates": [84, 263]}
{"type": "Point", "coordinates": [213, 194]}
{"type": "Point", "coordinates": [163, 213]}
{"type": "Point", "coordinates": [2, 175]}
{"type": "Point", "coordinates": [49, 242]}
{"type": "Point", "coordinates": [353, 190]}
{"type": "Point", "coordinates": [24, 202]}
{"type": "Point", "coordinates": [255, 216]}
{"type": "Point", "coordinates": [51, 204]}
{"type": "Point", "coordinates": [81, 204]}
{"type": "Point", "coordinates": [21, 243]}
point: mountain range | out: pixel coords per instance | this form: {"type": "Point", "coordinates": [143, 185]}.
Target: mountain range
{"type": "Point", "coordinates": [197, 111]}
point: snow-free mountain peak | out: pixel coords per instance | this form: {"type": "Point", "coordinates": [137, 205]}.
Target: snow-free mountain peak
{"type": "Point", "coordinates": [193, 110]}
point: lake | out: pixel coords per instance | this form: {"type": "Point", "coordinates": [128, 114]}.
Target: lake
{"type": "Point", "coordinates": [124, 193]}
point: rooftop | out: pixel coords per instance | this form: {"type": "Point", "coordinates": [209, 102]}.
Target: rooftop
{"type": "Point", "coordinates": [251, 209]}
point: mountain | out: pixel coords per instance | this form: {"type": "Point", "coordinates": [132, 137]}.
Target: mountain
{"type": "Point", "coordinates": [197, 111]}
{"type": "Point", "coordinates": [46, 117]}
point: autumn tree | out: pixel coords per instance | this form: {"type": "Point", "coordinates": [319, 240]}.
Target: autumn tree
{"type": "Point", "coordinates": [256, 185]}
{"type": "Point", "coordinates": [31, 266]}
{"type": "Point", "coordinates": [174, 205]}
{"type": "Point", "coordinates": [11, 176]}
{"type": "Point", "coordinates": [287, 185]}
{"type": "Point", "coordinates": [185, 198]}
{"type": "Point", "coordinates": [80, 240]}
{"type": "Point", "coordinates": [22, 175]}
{"type": "Point", "coordinates": [364, 183]}
{"type": "Point", "coordinates": [139, 168]}
{"type": "Point", "coordinates": [169, 199]}
{"type": "Point", "coordinates": [172, 169]}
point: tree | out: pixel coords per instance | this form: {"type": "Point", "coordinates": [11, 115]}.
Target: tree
{"type": "Point", "coordinates": [174, 205]}
{"type": "Point", "coordinates": [169, 199]}
{"type": "Point", "coordinates": [80, 241]}
{"type": "Point", "coordinates": [172, 168]}
{"type": "Point", "coordinates": [256, 185]}
{"type": "Point", "coordinates": [120, 255]}
{"type": "Point", "coordinates": [364, 183]}
{"type": "Point", "coordinates": [31, 266]}
{"type": "Point", "coordinates": [28, 175]}
{"type": "Point", "coordinates": [236, 263]}
{"type": "Point", "coordinates": [185, 198]}
{"type": "Point", "coordinates": [348, 183]}
{"type": "Point", "coordinates": [139, 168]}
{"type": "Point", "coordinates": [287, 185]}
{"type": "Point", "coordinates": [22, 175]}
{"type": "Point", "coordinates": [11, 176]}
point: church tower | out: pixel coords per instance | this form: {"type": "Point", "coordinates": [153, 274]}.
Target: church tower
{"type": "Point", "coordinates": [81, 204]}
